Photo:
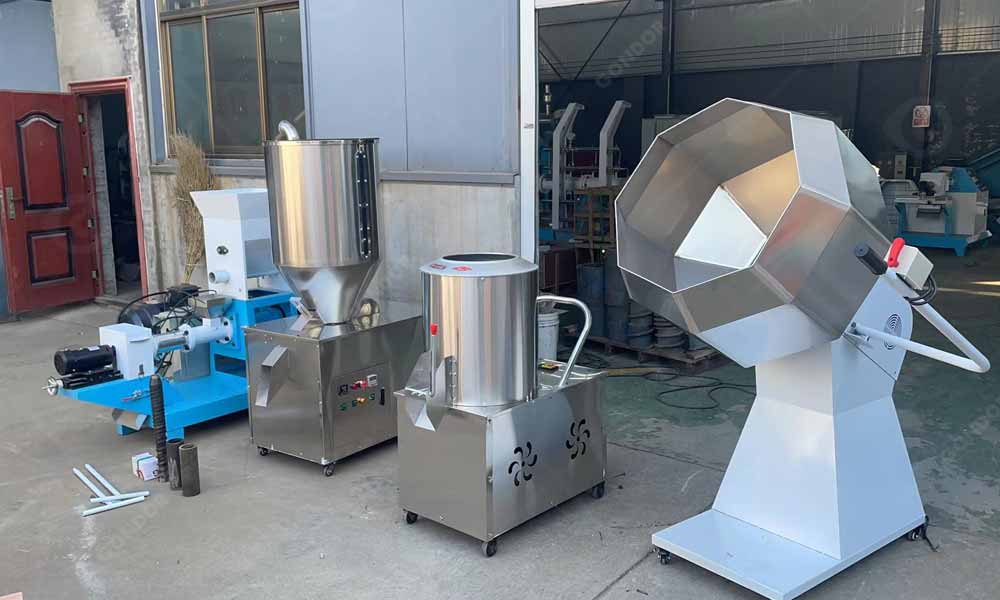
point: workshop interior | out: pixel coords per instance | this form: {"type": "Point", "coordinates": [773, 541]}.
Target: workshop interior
{"type": "Point", "coordinates": [496, 303]}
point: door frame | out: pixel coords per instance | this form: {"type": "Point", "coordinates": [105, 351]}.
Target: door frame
{"type": "Point", "coordinates": [528, 135]}
{"type": "Point", "coordinates": [99, 87]}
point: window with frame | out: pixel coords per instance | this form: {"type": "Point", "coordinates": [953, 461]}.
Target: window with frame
{"type": "Point", "coordinates": [233, 71]}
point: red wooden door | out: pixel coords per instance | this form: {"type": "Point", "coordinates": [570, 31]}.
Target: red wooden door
{"type": "Point", "coordinates": [48, 214]}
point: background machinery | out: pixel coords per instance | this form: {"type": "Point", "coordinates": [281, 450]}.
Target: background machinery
{"type": "Point", "coordinates": [568, 168]}
{"type": "Point", "coordinates": [949, 210]}
{"type": "Point", "coordinates": [752, 227]}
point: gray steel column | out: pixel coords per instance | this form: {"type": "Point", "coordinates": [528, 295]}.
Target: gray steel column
{"type": "Point", "coordinates": [667, 51]}
{"type": "Point", "coordinates": [925, 91]}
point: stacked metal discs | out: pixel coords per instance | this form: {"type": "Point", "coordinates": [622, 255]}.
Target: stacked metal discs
{"type": "Point", "coordinates": [640, 326]}
{"type": "Point", "coordinates": [615, 300]}
{"type": "Point", "coordinates": [590, 290]}
{"type": "Point", "coordinates": [696, 343]}
{"type": "Point", "coordinates": [668, 335]}
{"type": "Point", "coordinates": [627, 321]}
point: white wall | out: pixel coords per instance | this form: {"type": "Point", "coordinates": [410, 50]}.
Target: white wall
{"type": "Point", "coordinates": [424, 221]}
{"type": "Point", "coordinates": [100, 39]}
{"type": "Point", "coordinates": [28, 47]}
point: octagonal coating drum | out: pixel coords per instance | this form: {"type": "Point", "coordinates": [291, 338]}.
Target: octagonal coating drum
{"type": "Point", "coordinates": [480, 312]}
{"type": "Point", "coordinates": [739, 224]}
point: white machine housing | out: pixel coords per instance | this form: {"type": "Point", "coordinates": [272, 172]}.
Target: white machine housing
{"type": "Point", "coordinates": [136, 347]}
{"type": "Point", "coordinates": [606, 172]}
{"type": "Point", "coordinates": [237, 241]}
{"type": "Point", "coordinates": [562, 180]}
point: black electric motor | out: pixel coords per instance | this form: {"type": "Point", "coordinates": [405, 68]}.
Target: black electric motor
{"type": "Point", "coordinates": [84, 360]}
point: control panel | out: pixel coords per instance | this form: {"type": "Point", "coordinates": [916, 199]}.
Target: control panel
{"type": "Point", "coordinates": [361, 388]}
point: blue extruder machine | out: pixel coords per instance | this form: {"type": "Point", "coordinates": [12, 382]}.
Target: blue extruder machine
{"type": "Point", "coordinates": [202, 328]}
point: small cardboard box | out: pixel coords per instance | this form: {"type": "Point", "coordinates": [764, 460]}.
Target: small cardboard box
{"type": "Point", "coordinates": [145, 466]}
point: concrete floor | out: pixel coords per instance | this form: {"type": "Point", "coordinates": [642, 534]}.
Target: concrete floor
{"type": "Point", "coordinates": [275, 527]}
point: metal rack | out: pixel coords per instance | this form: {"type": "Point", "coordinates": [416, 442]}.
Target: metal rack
{"type": "Point", "coordinates": [594, 223]}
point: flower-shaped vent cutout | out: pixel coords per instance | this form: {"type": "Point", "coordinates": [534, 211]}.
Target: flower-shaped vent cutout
{"type": "Point", "coordinates": [524, 459]}
{"type": "Point", "coordinates": [578, 436]}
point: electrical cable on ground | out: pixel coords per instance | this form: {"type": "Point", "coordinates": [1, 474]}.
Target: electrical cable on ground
{"type": "Point", "coordinates": [668, 376]}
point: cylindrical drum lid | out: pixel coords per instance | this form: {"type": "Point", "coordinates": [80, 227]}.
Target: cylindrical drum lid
{"type": "Point", "coordinates": [481, 317]}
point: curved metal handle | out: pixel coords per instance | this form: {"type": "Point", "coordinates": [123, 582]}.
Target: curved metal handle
{"type": "Point", "coordinates": [974, 360]}
{"type": "Point", "coordinates": [287, 131]}
{"type": "Point", "coordinates": [588, 320]}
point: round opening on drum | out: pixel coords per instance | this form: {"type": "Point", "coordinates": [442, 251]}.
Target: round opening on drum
{"type": "Point", "coordinates": [479, 257]}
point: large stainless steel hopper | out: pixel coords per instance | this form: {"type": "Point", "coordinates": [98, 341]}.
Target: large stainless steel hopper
{"type": "Point", "coordinates": [324, 221]}
{"type": "Point", "coordinates": [322, 388]}
{"type": "Point", "coordinates": [736, 223]}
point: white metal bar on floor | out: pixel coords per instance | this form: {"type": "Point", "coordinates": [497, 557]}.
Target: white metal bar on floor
{"type": "Point", "coordinates": [90, 484]}
{"type": "Point", "coordinates": [112, 506]}
{"type": "Point", "coordinates": [114, 491]}
{"type": "Point", "coordinates": [121, 497]}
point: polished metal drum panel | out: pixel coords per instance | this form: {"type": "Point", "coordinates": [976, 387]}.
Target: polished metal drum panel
{"type": "Point", "coordinates": [485, 470]}
{"type": "Point", "coordinates": [303, 396]}
{"type": "Point", "coordinates": [739, 225]}
{"type": "Point", "coordinates": [324, 220]}
{"type": "Point", "coordinates": [480, 311]}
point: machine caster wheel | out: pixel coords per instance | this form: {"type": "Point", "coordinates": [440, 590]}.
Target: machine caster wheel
{"type": "Point", "coordinates": [665, 557]}
{"type": "Point", "coordinates": [263, 451]}
{"type": "Point", "coordinates": [328, 470]}
{"type": "Point", "coordinates": [411, 517]}
{"type": "Point", "coordinates": [920, 533]}
{"type": "Point", "coordinates": [597, 492]}
{"type": "Point", "coordinates": [489, 548]}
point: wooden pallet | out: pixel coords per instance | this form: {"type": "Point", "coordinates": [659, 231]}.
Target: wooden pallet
{"type": "Point", "coordinates": [703, 359]}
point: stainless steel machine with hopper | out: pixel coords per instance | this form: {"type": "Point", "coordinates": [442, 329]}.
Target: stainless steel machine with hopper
{"type": "Point", "coordinates": [752, 227]}
{"type": "Point", "coordinates": [488, 438]}
{"type": "Point", "coordinates": [321, 384]}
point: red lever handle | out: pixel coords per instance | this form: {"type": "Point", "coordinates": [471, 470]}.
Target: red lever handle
{"type": "Point", "coordinates": [894, 250]}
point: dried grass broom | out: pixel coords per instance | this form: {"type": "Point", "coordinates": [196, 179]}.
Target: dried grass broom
{"type": "Point", "coordinates": [193, 175]}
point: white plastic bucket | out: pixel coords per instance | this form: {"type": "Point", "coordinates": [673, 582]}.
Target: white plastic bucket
{"type": "Point", "coordinates": [548, 334]}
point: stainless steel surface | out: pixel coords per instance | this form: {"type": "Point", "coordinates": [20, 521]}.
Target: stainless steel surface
{"type": "Point", "coordinates": [324, 221]}
{"type": "Point", "coordinates": [587, 322]}
{"type": "Point", "coordinates": [739, 224]}
{"type": "Point", "coordinates": [287, 131]}
{"type": "Point", "coordinates": [301, 383]}
{"type": "Point", "coordinates": [482, 307]}
{"type": "Point", "coordinates": [486, 470]}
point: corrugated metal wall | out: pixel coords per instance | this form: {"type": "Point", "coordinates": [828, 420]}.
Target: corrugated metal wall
{"type": "Point", "coordinates": [717, 34]}
{"type": "Point", "coordinates": [857, 61]}
{"type": "Point", "coordinates": [600, 41]}
{"type": "Point", "coordinates": [970, 25]}
{"type": "Point", "coordinates": [714, 35]}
